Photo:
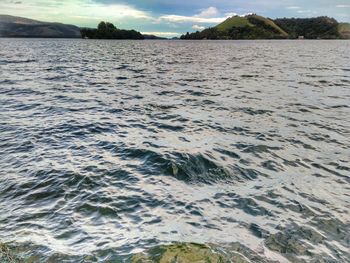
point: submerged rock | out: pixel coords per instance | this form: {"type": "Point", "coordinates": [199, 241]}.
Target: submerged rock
{"type": "Point", "coordinates": [181, 253]}
{"type": "Point", "coordinates": [199, 253]}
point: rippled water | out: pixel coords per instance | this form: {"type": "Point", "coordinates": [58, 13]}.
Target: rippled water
{"type": "Point", "coordinates": [111, 147]}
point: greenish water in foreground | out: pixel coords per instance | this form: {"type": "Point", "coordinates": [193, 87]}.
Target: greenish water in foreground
{"type": "Point", "coordinates": [177, 252]}
{"type": "Point", "coordinates": [292, 244]}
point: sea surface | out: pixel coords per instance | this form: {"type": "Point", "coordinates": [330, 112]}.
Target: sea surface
{"type": "Point", "coordinates": [108, 148]}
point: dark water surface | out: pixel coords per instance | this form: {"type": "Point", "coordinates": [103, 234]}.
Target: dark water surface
{"type": "Point", "coordinates": [111, 147]}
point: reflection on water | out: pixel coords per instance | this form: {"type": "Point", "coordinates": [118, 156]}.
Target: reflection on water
{"type": "Point", "coordinates": [112, 147]}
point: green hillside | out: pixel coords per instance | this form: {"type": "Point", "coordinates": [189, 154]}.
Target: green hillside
{"type": "Point", "coordinates": [258, 27]}
{"type": "Point", "coordinates": [269, 22]}
{"type": "Point", "coordinates": [250, 21]}
{"type": "Point", "coordinates": [238, 27]}
{"type": "Point", "coordinates": [235, 21]}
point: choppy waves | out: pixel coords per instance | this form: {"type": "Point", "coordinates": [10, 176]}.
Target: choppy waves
{"type": "Point", "coordinates": [111, 147]}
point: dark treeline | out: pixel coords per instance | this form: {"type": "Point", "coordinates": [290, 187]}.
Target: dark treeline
{"type": "Point", "coordinates": [311, 28]}
{"type": "Point", "coordinates": [106, 30]}
{"type": "Point", "coordinates": [208, 33]}
{"type": "Point", "coordinates": [245, 32]}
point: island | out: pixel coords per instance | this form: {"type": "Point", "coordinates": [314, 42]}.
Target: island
{"type": "Point", "coordinates": [253, 26]}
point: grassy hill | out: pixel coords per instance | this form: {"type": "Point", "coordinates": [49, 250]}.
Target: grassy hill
{"type": "Point", "coordinates": [271, 23]}
{"type": "Point", "coordinates": [235, 21]}
{"type": "Point", "coordinates": [251, 21]}
{"type": "Point", "coordinates": [238, 27]}
{"type": "Point", "coordinates": [258, 27]}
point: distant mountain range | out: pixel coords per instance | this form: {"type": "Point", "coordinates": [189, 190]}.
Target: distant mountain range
{"type": "Point", "coordinates": [257, 27]}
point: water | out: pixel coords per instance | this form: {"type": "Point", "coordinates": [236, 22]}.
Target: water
{"type": "Point", "coordinates": [112, 147]}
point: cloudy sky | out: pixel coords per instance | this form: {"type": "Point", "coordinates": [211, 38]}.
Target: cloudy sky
{"type": "Point", "coordinates": [168, 17]}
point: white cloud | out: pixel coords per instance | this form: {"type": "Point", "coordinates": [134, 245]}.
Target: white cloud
{"type": "Point", "coordinates": [293, 7]}
{"type": "Point", "coordinates": [342, 6]}
{"type": "Point", "coordinates": [110, 11]}
{"type": "Point", "coordinates": [210, 15]}
{"type": "Point", "coordinates": [197, 27]}
{"type": "Point", "coordinates": [191, 19]}
{"type": "Point", "coordinates": [304, 11]}
{"type": "Point", "coordinates": [231, 14]}
{"type": "Point", "coordinates": [208, 12]}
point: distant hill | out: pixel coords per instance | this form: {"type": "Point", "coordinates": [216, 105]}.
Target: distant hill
{"type": "Point", "coordinates": [12, 26]}
{"type": "Point", "coordinates": [153, 37]}
{"type": "Point", "coordinates": [18, 20]}
{"type": "Point", "coordinates": [257, 27]}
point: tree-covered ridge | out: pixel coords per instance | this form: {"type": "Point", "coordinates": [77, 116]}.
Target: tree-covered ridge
{"type": "Point", "coordinates": [258, 27]}
{"type": "Point", "coordinates": [310, 28]}
{"type": "Point", "coordinates": [106, 30]}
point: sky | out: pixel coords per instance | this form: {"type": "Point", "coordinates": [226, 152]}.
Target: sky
{"type": "Point", "coordinates": [168, 18]}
